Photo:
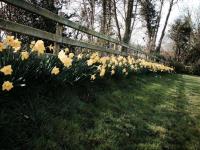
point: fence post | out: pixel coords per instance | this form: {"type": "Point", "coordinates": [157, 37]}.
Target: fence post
{"type": "Point", "coordinates": [59, 31]}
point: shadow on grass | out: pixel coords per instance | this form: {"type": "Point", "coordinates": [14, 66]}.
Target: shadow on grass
{"type": "Point", "coordinates": [149, 113]}
{"type": "Point", "coordinates": [144, 112]}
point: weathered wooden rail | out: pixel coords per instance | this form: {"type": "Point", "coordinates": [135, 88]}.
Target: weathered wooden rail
{"type": "Point", "coordinates": [23, 29]}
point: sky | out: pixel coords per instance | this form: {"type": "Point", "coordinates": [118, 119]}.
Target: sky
{"type": "Point", "coordinates": [179, 9]}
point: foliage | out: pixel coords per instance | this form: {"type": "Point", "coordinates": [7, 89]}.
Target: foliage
{"type": "Point", "coordinates": [178, 67]}
{"type": "Point", "coordinates": [149, 13]}
{"type": "Point", "coordinates": [151, 18]}
{"type": "Point", "coordinates": [196, 68]}
{"type": "Point", "coordinates": [186, 42]}
{"type": "Point", "coordinates": [181, 35]}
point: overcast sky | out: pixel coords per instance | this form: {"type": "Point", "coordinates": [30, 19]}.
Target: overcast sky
{"type": "Point", "coordinates": [178, 10]}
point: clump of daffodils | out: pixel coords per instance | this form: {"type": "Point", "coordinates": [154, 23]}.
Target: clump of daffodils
{"type": "Point", "coordinates": [93, 65]}
{"type": "Point", "coordinates": [12, 42]}
{"type": "Point", "coordinates": [154, 67]}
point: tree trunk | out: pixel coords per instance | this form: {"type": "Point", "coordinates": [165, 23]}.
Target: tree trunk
{"type": "Point", "coordinates": [135, 14]}
{"type": "Point", "coordinates": [164, 28]}
{"type": "Point", "coordinates": [157, 28]}
{"type": "Point", "coordinates": [116, 20]}
{"type": "Point", "coordinates": [128, 21]}
{"type": "Point", "coordinates": [104, 14]}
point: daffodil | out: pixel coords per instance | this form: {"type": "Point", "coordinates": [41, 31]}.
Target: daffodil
{"type": "Point", "coordinates": [113, 67]}
{"type": "Point", "coordinates": [24, 55]}
{"type": "Point", "coordinates": [66, 50]}
{"type": "Point", "coordinates": [80, 56]}
{"type": "Point", "coordinates": [7, 86]}
{"type": "Point", "coordinates": [94, 55]}
{"type": "Point", "coordinates": [39, 47]}
{"type": "Point", "coordinates": [71, 55]}
{"type": "Point", "coordinates": [32, 44]}
{"type": "Point", "coordinates": [16, 45]}
{"type": "Point", "coordinates": [1, 46]}
{"type": "Point", "coordinates": [103, 60]}
{"type": "Point", "coordinates": [6, 70]}
{"type": "Point", "coordinates": [9, 40]}
{"type": "Point", "coordinates": [55, 71]}
{"type": "Point", "coordinates": [90, 62]}
{"type": "Point", "coordinates": [112, 72]}
{"type": "Point", "coordinates": [61, 55]}
{"type": "Point", "coordinates": [102, 72]}
{"type": "Point", "coordinates": [120, 64]}
{"type": "Point", "coordinates": [124, 70]}
{"type": "Point", "coordinates": [51, 48]}
{"type": "Point", "coordinates": [93, 77]}
{"type": "Point", "coordinates": [132, 67]}
{"type": "Point", "coordinates": [67, 62]}
{"type": "Point", "coordinates": [99, 67]}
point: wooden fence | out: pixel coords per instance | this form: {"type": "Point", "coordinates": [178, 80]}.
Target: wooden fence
{"type": "Point", "coordinates": [23, 29]}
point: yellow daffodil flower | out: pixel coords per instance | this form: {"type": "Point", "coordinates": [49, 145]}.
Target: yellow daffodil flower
{"type": "Point", "coordinates": [32, 44]}
{"type": "Point", "coordinates": [51, 48]}
{"type": "Point", "coordinates": [6, 70]}
{"type": "Point", "coordinates": [7, 86]}
{"type": "Point", "coordinates": [66, 50]}
{"type": "Point", "coordinates": [124, 70]}
{"type": "Point", "coordinates": [39, 47]}
{"type": "Point", "coordinates": [71, 55]}
{"type": "Point", "coordinates": [112, 72]}
{"type": "Point", "coordinates": [90, 62]}
{"type": "Point", "coordinates": [55, 71]}
{"type": "Point", "coordinates": [102, 72]}
{"type": "Point", "coordinates": [1, 46]}
{"type": "Point", "coordinates": [9, 40]}
{"type": "Point", "coordinates": [16, 45]}
{"type": "Point", "coordinates": [80, 56]}
{"type": "Point", "coordinates": [24, 55]}
{"type": "Point", "coordinates": [65, 59]}
{"type": "Point", "coordinates": [93, 77]}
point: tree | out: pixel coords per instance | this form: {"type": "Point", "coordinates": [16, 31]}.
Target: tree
{"type": "Point", "coordinates": [88, 14]}
{"type": "Point", "coordinates": [150, 16]}
{"type": "Point", "coordinates": [128, 22]}
{"type": "Point", "coordinates": [180, 33]}
{"type": "Point", "coordinates": [116, 20]}
{"type": "Point", "coordinates": [172, 2]}
{"type": "Point", "coordinates": [194, 55]}
{"type": "Point", "coordinates": [130, 17]}
{"type": "Point", "coordinates": [106, 18]}
{"type": "Point", "coordinates": [158, 19]}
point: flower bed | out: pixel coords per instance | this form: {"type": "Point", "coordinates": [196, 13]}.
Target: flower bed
{"type": "Point", "coordinates": [18, 67]}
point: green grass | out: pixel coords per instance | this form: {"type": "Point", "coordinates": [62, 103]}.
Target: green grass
{"type": "Point", "coordinates": [145, 112]}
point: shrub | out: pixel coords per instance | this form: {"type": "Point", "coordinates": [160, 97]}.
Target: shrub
{"type": "Point", "coordinates": [196, 69]}
{"type": "Point", "coordinates": [178, 67]}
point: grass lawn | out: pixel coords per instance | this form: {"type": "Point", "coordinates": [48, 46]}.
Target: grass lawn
{"type": "Point", "coordinates": [146, 112]}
